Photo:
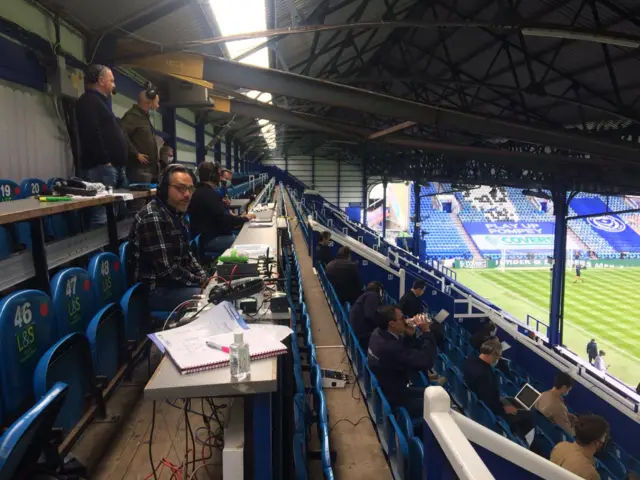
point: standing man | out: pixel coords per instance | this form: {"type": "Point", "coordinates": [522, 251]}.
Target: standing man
{"type": "Point", "coordinates": [166, 156]}
{"type": "Point", "coordinates": [226, 183]}
{"type": "Point", "coordinates": [103, 144]}
{"type": "Point", "coordinates": [578, 273]}
{"type": "Point", "coordinates": [592, 350]}
{"type": "Point", "coordinates": [342, 273]}
{"type": "Point", "coordinates": [143, 159]}
{"type": "Point", "coordinates": [323, 250]}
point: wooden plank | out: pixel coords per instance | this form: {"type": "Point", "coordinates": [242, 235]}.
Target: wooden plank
{"type": "Point", "coordinates": [29, 208]}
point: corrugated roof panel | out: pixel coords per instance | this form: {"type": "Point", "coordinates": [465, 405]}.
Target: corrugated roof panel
{"type": "Point", "coordinates": [34, 139]}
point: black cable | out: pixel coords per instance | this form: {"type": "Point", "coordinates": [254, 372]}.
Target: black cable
{"type": "Point", "coordinates": [153, 426]}
{"type": "Point", "coordinates": [349, 421]}
{"type": "Point", "coordinates": [193, 441]}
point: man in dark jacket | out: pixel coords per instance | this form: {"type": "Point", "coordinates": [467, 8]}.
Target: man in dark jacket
{"type": "Point", "coordinates": [143, 160]}
{"type": "Point", "coordinates": [484, 333]}
{"type": "Point", "coordinates": [592, 350]}
{"type": "Point", "coordinates": [410, 302]}
{"type": "Point", "coordinates": [208, 216]}
{"type": "Point", "coordinates": [323, 250]}
{"type": "Point", "coordinates": [395, 351]}
{"type": "Point", "coordinates": [362, 316]}
{"type": "Point", "coordinates": [342, 273]}
{"type": "Point", "coordinates": [481, 379]}
{"type": "Point", "coordinates": [103, 144]}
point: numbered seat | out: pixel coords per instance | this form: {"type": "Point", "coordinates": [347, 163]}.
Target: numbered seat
{"type": "Point", "coordinates": [22, 445]}
{"type": "Point", "coordinates": [69, 361]}
{"type": "Point", "coordinates": [10, 190]}
{"type": "Point", "coordinates": [73, 299]}
{"type": "Point", "coordinates": [109, 285]}
{"type": "Point", "coordinates": [30, 187]}
{"type": "Point", "coordinates": [107, 280]}
{"type": "Point", "coordinates": [27, 330]}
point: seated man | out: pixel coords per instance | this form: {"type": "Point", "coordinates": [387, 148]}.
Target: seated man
{"type": "Point", "coordinates": [226, 177]}
{"type": "Point", "coordinates": [551, 403]}
{"type": "Point", "coordinates": [208, 216]}
{"type": "Point", "coordinates": [395, 351]}
{"type": "Point", "coordinates": [483, 333]}
{"type": "Point", "coordinates": [342, 273]}
{"type": "Point", "coordinates": [579, 457]}
{"type": "Point", "coordinates": [160, 256]}
{"type": "Point", "coordinates": [323, 250]}
{"type": "Point", "coordinates": [363, 314]}
{"type": "Point", "coordinates": [482, 380]}
{"type": "Point", "coordinates": [410, 302]}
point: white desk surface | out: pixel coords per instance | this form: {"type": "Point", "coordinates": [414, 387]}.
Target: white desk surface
{"type": "Point", "coordinates": [168, 382]}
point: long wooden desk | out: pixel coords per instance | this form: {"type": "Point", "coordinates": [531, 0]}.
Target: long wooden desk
{"type": "Point", "coordinates": [31, 208]}
{"type": "Point", "coordinates": [42, 256]}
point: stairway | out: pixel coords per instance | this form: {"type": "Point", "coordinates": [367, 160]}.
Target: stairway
{"type": "Point", "coordinates": [455, 219]}
{"type": "Point", "coordinates": [576, 239]}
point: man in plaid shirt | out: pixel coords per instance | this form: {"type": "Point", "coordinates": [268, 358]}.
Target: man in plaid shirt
{"type": "Point", "coordinates": [160, 256]}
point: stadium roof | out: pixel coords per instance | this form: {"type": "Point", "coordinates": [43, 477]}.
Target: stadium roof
{"type": "Point", "coordinates": [535, 92]}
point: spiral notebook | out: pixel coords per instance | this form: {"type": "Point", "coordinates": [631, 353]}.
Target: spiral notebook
{"type": "Point", "coordinates": [195, 356]}
{"type": "Point", "coordinates": [188, 349]}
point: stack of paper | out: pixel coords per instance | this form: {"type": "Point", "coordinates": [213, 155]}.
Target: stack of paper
{"type": "Point", "coordinates": [187, 345]}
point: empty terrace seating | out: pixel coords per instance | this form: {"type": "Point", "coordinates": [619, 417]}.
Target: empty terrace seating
{"type": "Point", "coordinates": [493, 202]}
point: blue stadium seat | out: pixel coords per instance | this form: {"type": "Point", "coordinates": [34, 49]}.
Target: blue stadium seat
{"type": "Point", "coordinates": [10, 190]}
{"type": "Point", "coordinates": [107, 280]}
{"type": "Point", "coordinates": [73, 301]}
{"type": "Point", "coordinates": [123, 250]}
{"type": "Point", "coordinates": [68, 361]}
{"type": "Point", "coordinates": [27, 330]}
{"type": "Point", "coordinates": [30, 187]}
{"type": "Point", "coordinates": [106, 336]}
{"type": "Point", "coordinates": [22, 444]}
{"type": "Point", "coordinates": [416, 459]}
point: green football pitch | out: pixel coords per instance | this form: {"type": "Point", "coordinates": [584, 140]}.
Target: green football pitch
{"type": "Point", "coordinates": [605, 306]}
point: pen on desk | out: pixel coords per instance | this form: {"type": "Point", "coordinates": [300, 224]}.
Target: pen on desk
{"type": "Point", "coordinates": [55, 199]}
{"type": "Point", "coordinates": [215, 346]}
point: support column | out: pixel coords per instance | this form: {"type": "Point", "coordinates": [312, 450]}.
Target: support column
{"type": "Point", "coordinates": [236, 158]}
{"type": "Point", "coordinates": [313, 172]}
{"type": "Point", "coordinates": [227, 152]}
{"type": "Point", "coordinates": [364, 194]}
{"type": "Point", "coordinates": [217, 151]}
{"type": "Point", "coordinates": [201, 151]}
{"type": "Point", "coordinates": [560, 208]}
{"type": "Point", "coordinates": [416, 219]}
{"type": "Point", "coordinates": [286, 163]}
{"type": "Point", "coordinates": [338, 194]}
{"type": "Point", "coordinates": [384, 208]}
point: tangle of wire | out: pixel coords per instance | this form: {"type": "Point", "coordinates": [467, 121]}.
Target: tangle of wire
{"type": "Point", "coordinates": [214, 440]}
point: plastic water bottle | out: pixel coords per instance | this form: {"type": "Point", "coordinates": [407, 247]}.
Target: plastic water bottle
{"type": "Point", "coordinates": [239, 359]}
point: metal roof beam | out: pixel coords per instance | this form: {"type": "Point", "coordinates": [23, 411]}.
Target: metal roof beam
{"type": "Point", "coordinates": [283, 83]}
{"type": "Point", "coordinates": [149, 16]}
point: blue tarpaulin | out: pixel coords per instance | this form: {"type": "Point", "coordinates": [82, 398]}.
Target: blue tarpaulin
{"type": "Point", "coordinates": [612, 228]}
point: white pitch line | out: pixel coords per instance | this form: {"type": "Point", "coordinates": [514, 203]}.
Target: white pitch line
{"type": "Point", "coordinates": [577, 327]}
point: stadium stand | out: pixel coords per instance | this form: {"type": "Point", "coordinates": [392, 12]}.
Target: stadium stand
{"type": "Point", "coordinates": [395, 427]}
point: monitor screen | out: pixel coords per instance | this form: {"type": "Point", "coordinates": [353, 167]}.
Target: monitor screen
{"type": "Point", "coordinates": [528, 396]}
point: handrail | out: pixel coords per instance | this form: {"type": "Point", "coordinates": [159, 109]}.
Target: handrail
{"type": "Point", "coordinates": [463, 458]}
{"type": "Point", "coordinates": [509, 450]}
{"type": "Point", "coordinates": [455, 434]}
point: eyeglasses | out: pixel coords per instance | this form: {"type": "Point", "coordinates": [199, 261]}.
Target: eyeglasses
{"type": "Point", "coordinates": [184, 188]}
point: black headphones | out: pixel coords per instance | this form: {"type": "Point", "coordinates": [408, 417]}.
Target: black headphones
{"type": "Point", "coordinates": [162, 192]}
{"type": "Point", "coordinates": [150, 90]}
{"type": "Point", "coordinates": [93, 73]}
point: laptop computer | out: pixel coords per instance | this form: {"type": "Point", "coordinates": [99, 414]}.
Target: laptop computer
{"type": "Point", "coordinates": [526, 398]}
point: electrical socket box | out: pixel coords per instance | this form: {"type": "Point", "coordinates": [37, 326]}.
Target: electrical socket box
{"type": "Point", "coordinates": [65, 81]}
{"type": "Point", "coordinates": [333, 378]}
{"type": "Point", "coordinates": [186, 94]}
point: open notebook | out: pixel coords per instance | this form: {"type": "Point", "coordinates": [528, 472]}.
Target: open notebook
{"type": "Point", "coordinates": [188, 349]}
{"type": "Point", "coordinates": [194, 355]}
